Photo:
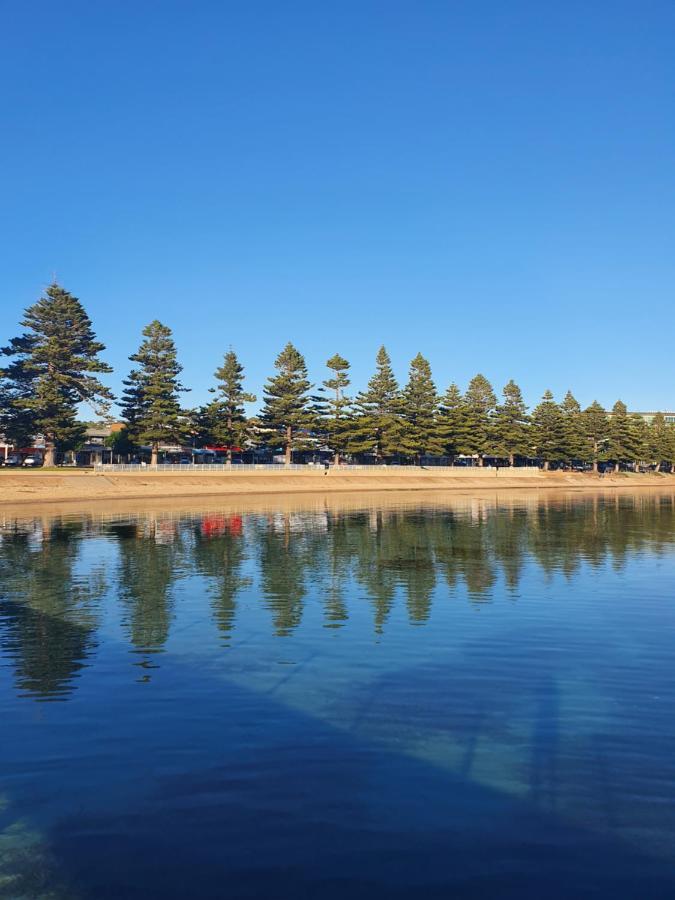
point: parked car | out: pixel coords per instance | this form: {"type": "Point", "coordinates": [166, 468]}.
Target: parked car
{"type": "Point", "coordinates": [30, 462]}
{"type": "Point", "coordinates": [185, 461]}
{"type": "Point", "coordinates": [12, 461]}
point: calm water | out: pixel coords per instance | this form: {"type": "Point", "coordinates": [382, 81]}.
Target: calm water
{"type": "Point", "coordinates": [475, 700]}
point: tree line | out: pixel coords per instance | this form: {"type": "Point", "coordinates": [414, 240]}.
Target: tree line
{"type": "Point", "coordinates": [55, 364]}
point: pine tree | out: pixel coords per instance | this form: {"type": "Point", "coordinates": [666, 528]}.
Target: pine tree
{"type": "Point", "coordinates": [150, 403]}
{"type": "Point", "coordinates": [54, 369]}
{"type": "Point", "coordinates": [453, 422]}
{"type": "Point", "coordinates": [286, 400]}
{"type": "Point", "coordinates": [333, 410]}
{"type": "Point", "coordinates": [224, 419]}
{"type": "Point", "coordinates": [619, 443]}
{"type": "Point", "coordinates": [377, 426]}
{"type": "Point", "coordinates": [548, 430]}
{"type": "Point", "coordinates": [573, 440]}
{"type": "Point", "coordinates": [659, 440]}
{"type": "Point", "coordinates": [419, 410]}
{"type": "Point", "coordinates": [17, 420]}
{"type": "Point", "coordinates": [510, 424]}
{"type": "Point", "coordinates": [639, 438]}
{"type": "Point", "coordinates": [595, 433]}
{"type": "Point", "coordinates": [480, 401]}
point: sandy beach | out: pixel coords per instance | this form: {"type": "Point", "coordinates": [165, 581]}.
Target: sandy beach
{"type": "Point", "coordinates": [76, 486]}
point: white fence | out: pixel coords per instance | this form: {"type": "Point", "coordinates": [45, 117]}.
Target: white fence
{"type": "Point", "coordinates": [308, 469]}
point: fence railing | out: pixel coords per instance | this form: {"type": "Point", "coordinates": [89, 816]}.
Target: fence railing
{"type": "Point", "coordinates": [308, 468]}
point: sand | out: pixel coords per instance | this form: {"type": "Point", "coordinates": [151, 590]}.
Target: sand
{"type": "Point", "coordinates": [19, 487]}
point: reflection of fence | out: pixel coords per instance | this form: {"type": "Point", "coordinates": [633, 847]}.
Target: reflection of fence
{"type": "Point", "coordinates": [309, 469]}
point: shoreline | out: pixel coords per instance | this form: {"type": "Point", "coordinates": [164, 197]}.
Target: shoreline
{"type": "Point", "coordinates": [38, 488]}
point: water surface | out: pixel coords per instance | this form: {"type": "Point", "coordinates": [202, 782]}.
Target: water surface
{"type": "Point", "coordinates": [378, 699]}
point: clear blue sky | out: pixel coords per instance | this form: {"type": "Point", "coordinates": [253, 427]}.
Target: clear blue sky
{"type": "Point", "coordinates": [491, 183]}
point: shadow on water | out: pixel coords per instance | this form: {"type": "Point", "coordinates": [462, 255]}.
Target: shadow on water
{"type": "Point", "coordinates": [271, 802]}
{"type": "Point", "coordinates": [321, 813]}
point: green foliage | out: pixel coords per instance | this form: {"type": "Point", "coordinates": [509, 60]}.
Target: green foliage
{"type": "Point", "coordinates": [224, 420]}
{"type": "Point", "coordinates": [639, 437]}
{"type": "Point", "coordinates": [510, 424]}
{"type": "Point", "coordinates": [150, 402]}
{"type": "Point", "coordinates": [619, 433]}
{"type": "Point", "coordinates": [661, 441]}
{"type": "Point", "coordinates": [17, 421]}
{"type": "Point", "coordinates": [333, 410]}
{"type": "Point", "coordinates": [479, 402]}
{"type": "Point", "coordinates": [120, 442]}
{"type": "Point", "coordinates": [595, 433]}
{"type": "Point", "coordinates": [286, 402]}
{"type": "Point", "coordinates": [573, 438]}
{"type": "Point", "coordinates": [54, 367]}
{"type": "Point", "coordinates": [548, 430]}
{"type": "Point", "coordinates": [377, 426]}
{"type": "Point", "coordinates": [419, 411]}
{"type": "Point", "coordinates": [453, 422]}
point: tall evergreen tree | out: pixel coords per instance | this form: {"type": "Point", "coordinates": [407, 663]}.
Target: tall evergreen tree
{"type": "Point", "coordinates": [510, 424]}
{"type": "Point", "coordinates": [595, 432]}
{"type": "Point", "coordinates": [378, 428]}
{"type": "Point", "coordinates": [286, 401]}
{"type": "Point", "coordinates": [225, 418]}
{"type": "Point", "coordinates": [659, 440]}
{"type": "Point", "coordinates": [54, 369]}
{"type": "Point", "coordinates": [479, 402]}
{"type": "Point", "coordinates": [619, 435]}
{"type": "Point", "coordinates": [573, 440]}
{"type": "Point", "coordinates": [419, 411]}
{"type": "Point", "coordinates": [548, 430]}
{"type": "Point", "coordinates": [150, 404]}
{"type": "Point", "coordinates": [17, 420]}
{"type": "Point", "coordinates": [333, 409]}
{"type": "Point", "coordinates": [639, 438]}
{"type": "Point", "coordinates": [453, 422]}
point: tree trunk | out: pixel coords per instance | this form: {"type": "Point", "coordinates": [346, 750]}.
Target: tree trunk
{"type": "Point", "coordinates": [289, 448]}
{"type": "Point", "coordinates": [481, 461]}
{"type": "Point", "coordinates": [512, 460]}
{"type": "Point", "coordinates": [336, 458]}
{"type": "Point", "coordinates": [595, 466]}
{"type": "Point", "coordinates": [658, 467]}
{"type": "Point", "coordinates": [154, 454]}
{"type": "Point", "coordinates": [229, 456]}
{"type": "Point", "coordinates": [50, 453]}
{"type": "Point", "coordinates": [616, 468]}
{"type": "Point", "coordinates": [546, 465]}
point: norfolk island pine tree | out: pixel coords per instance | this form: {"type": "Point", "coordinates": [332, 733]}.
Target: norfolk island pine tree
{"type": "Point", "coordinates": [54, 368]}
{"type": "Point", "coordinates": [377, 426]}
{"type": "Point", "coordinates": [224, 418]}
{"type": "Point", "coordinates": [479, 403]}
{"type": "Point", "coordinates": [286, 406]}
{"type": "Point", "coordinates": [419, 412]}
{"type": "Point", "coordinates": [150, 403]}
{"type": "Point", "coordinates": [510, 424]}
{"type": "Point", "coordinates": [332, 407]}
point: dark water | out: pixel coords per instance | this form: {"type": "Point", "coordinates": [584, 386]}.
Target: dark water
{"type": "Point", "coordinates": [419, 701]}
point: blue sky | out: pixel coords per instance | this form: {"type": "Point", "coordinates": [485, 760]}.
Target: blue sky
{"type": "Point", "coordinates": [490, 183]}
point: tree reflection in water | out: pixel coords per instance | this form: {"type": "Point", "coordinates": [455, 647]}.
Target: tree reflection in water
{"type": "Point", "coordinates": [51, 598]}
